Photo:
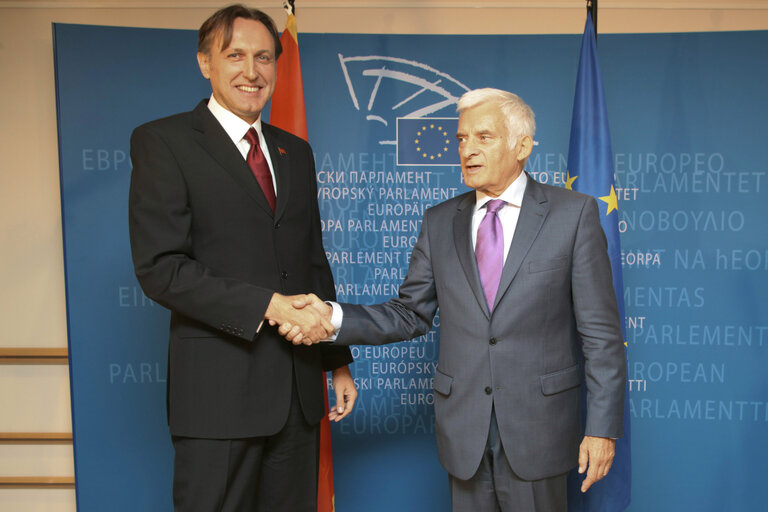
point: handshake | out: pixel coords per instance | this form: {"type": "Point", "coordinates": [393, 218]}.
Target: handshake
{"type": "Point", "coordinates": [301, 318]}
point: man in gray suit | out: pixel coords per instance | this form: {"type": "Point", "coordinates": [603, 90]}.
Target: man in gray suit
{"type": "Point", "coordinates": [520, 273]}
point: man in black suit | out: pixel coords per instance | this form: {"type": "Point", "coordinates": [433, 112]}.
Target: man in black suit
{"type": "Point", "coordinates": [224, 228]}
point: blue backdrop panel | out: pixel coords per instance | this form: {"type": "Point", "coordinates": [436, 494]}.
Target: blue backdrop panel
{"type": "Point", "coordinates": [687, 118]}
{"type": "Point", "coordinates": [686, 113]}
{"type": "Point", "coordinates": [109, 81]}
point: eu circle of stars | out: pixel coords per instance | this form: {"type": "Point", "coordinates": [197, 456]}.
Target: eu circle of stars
{"type": "Point", "coordinates": [432, 141]}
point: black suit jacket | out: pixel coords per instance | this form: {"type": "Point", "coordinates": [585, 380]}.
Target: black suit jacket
{"type": "Point", "coordinates": [207, 246]}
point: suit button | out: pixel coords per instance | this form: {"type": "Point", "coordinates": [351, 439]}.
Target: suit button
{"type": "Point", "coordinates": [487, 390]}
{"type": "Point", "coordinates": [492, 341]}
{"type": "Point", "coordinates": [277, 226]}
{"type": "Point", "coordinates": [284, 274]}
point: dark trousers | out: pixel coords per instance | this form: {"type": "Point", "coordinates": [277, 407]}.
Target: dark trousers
{"type": "Point", "coordinates": [495, 487]}
{"type": "Point", "coordinates": [261, 474]}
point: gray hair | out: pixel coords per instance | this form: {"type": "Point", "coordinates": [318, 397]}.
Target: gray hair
{"type": "Point", "coordinates": [517, 114]}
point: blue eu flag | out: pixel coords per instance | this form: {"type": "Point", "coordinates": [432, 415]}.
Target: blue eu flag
{"type": "Point", "coordinates": [590, 171]}
{"type": "Point", "coordinates": [427, 141]}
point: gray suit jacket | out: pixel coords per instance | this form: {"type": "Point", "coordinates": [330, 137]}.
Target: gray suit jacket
{"type": "Point", "coordinates": [555, 304]}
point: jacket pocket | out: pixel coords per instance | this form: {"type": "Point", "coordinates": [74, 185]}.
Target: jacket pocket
{"type": "Point", "coordinates": [549, 264]}
{"type": "Point", "coordinates": [561, 380]}
{"type": "Point", "coordinates": [442, 383]}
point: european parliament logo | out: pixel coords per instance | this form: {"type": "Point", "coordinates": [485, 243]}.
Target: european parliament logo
{"type": "Point", "coordinates": [396, 94]}
{"type": "Point", "coordinates": [427, 141]}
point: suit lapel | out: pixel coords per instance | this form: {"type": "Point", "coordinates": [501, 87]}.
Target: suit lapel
{"type": "Point", "coordinates": [462, 229]}
{"type": "Point", "coordinates": [281, 164]}
{"type": "Point", "coordinates": [216, 142]}
{"type": "Point", "coordinates": [533, 211]}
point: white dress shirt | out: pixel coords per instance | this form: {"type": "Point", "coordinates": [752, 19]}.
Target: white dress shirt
{"type": "Point", "coordinates": [236, 128]}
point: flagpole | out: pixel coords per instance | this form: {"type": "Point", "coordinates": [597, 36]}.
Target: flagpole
{"type": "Point", "coordinates": [592, 9]}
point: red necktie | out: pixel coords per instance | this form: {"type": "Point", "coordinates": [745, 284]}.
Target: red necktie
{"type": "Point", "coordinates": [259, 166]}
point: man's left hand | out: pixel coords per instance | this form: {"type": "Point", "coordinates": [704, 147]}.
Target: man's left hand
{"type": "Point", "coordinates": [597, 453]}
{"type": "Point", "coordinates": [346, 394]}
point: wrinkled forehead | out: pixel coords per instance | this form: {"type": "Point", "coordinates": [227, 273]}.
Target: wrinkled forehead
{"type": "Point", "coordinates": [486, 117]}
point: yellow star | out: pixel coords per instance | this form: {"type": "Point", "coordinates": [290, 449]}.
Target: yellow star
{"type": "Point", "coordinates": [611, 201]}
{"type": "Point", "coordinates": [569, 180]}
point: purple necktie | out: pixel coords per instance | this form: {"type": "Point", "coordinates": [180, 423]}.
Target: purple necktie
{"type": "Point", "coordinates": [258, 165]}
{"type": "Point", "coordinates": [489, 250]}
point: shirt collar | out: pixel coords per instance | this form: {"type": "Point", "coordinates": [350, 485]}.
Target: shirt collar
{"type": "Point", "coordinates": [233, 125]}
{"type": "Point", "coordinates": [513, 194]}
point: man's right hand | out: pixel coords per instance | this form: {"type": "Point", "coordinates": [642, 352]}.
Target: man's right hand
{"type": "Point", "coordinates": [299, 324]}
{"type": "Point", "coordinates": [294, 333]}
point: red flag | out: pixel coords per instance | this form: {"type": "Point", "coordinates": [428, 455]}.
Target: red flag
{"type": "Point", "coordinates": [287, 112]}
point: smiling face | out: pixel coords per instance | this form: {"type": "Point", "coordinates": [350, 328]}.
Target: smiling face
{"type": "Point", "coordinates": [488, 163]}
{"type": "Point", "coordinates": [243, 74]}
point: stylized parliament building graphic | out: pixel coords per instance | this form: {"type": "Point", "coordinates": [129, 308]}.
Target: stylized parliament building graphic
{"type": "Point", "coordinates": [420, 138]}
